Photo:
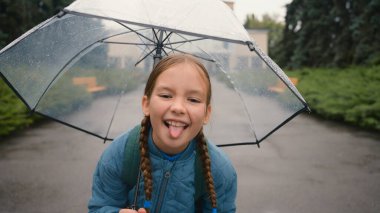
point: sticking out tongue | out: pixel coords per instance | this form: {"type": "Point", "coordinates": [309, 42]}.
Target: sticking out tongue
{"type": "Point", "coordinates": [175, 131]}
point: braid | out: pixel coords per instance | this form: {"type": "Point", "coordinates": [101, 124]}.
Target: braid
{"type": "Point", "coordinates": [202, 145]}
{"type": "Point", "coordinates": [145, 161]}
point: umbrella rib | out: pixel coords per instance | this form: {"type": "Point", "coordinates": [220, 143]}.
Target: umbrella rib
{"type": "Point", "coordinates": [245, 107]}
{"type": "Point", "coordinates": [180, 51]}
{"type": "Point", "coordinates": [144, 57]}
{"type": "Point", "coordinates": [165, 52]}
{"type": "Point", "coordinates": [144, 50]}
{"type": "Point", "coordinates": [238, 144]}
{"type": "Point", "coordinates": [75, 127]}
{"type": "Point", "coordinates": [185, 41]}
{"type": "Point", "coordinates": [167, 37]}
{"type": "Point", "coordinates": [241, 99]}
{"type": "Point", "coordinates": [167, 45]}
{"type": "Point", "coordinates": [155, 35]}
{"type": "Point", "coordinates": [304, 109]}
{"type": "Point", "coordinates": [127, 43]}
{"type": "Point", "coordinates": [135, 31]}
{"type": "Point", "coordinates": [113, 114]}
{"type": "Point", "coordinates": [182, 43]}
{"type": "Point", "coordinates": [118, 34]}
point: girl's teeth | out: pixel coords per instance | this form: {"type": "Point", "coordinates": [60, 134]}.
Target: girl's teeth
{"type": "Point", "coordinates": [176, 124]}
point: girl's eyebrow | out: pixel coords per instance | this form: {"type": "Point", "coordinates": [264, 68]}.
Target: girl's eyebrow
{"type": "Point", "coordinates": [162, 87]}
{"type": "Point", "coordinates": [167, 88]}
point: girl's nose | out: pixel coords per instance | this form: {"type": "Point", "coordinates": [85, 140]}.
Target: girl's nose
{"type": "Point", "coordinates": [177, 106]}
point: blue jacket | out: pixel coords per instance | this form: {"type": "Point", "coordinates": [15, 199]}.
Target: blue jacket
{"type": "Point", "coordinates": [173, 194]}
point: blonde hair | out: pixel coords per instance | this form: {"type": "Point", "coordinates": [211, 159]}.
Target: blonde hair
{"type": "Point", "coordinates": [163, 65]}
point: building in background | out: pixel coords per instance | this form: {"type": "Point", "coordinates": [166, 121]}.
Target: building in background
{"type": "Point", "coordinates": [260, 36]}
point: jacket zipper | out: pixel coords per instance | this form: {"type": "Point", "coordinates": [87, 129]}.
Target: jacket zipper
{"type": "Point", "coordinates": [162, 191]}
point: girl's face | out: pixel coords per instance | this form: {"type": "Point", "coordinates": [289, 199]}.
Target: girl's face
{"type": "Point", "coordinates": [177, 107]}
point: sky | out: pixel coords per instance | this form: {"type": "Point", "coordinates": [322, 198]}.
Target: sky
{"type": "Point", "coordinates": [259, 8]}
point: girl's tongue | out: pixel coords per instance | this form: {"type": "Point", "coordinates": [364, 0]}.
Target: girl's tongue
{"type": "Point", "coordinates": [175, 131]}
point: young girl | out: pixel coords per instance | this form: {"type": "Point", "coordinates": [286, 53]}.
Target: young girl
{"type": "Point", "coordinates": [176, 105]}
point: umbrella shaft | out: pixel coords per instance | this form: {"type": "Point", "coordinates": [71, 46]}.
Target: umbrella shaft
{"type": "Point", "coordinates": [158, 56]}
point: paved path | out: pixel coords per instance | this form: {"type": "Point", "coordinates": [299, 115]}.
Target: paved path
{"type": "Point", "coordinates": [309, 165]}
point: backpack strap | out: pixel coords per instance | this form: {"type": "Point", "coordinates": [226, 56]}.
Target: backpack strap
{"type": "Point", "coordinates": [131, 161]}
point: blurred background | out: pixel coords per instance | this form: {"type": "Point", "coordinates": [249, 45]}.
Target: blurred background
{"type": "Point", "coordinates": [328, 160]}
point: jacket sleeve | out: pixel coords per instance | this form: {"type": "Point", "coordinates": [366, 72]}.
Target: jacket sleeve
{"type": "Point", "coordinates": [109, 193]}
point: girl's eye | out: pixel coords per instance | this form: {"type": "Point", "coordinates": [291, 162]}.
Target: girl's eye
{"type": "Point", "coordinates": [194, 100]}
{"type": "Point", "coordinates": [166, 96]}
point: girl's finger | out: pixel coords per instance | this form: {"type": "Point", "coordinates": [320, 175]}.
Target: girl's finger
{"type": "Point", "coordinates": [141, 210]}
{"type": "Point", "coordinates": [128, 211]}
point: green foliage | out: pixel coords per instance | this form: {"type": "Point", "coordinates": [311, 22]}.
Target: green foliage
{"type": "Point", "coordinates": [330, 34]}
{"type": "Point", "coordinates": [351, 95]}
{"type": "Point", "coordinates": [21, 15]}
{"type": "Point", "coordinates": [13, 113]}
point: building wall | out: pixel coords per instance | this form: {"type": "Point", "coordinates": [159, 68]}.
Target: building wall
{"type": "Point", "coordinates": [260, 36]}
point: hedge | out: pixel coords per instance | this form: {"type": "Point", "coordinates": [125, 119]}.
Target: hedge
{"type": "Point", "coordinates": [351, 95]}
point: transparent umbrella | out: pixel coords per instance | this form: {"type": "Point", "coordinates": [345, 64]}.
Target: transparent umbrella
{"type": "Point", "coordinates": [86, 67]}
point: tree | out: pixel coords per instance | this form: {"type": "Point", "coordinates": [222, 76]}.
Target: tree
{"type": "Point", "coordinates": [331, 33]}
{"type": "Point", "coordinates": [287, 45]}
{"type": "Point", "coordinates": [16, 17]}
{"type": "Point", "coordinates": [366, 28]}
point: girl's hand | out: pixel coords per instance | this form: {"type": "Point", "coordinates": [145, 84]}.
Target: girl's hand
{"type": "Point", "coordinates": [141, 210]}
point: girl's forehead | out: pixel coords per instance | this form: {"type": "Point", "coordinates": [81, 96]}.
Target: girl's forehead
{"type": "Point", "coordinates": [184, 70]}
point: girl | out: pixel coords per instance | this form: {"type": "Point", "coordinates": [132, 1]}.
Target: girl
{"type": "Point", "coordinates": [176, 105]}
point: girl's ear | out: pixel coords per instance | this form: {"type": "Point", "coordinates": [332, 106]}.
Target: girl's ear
{"type": "Point", "coordinates": [208, 114]}
{"type": "Point", "coordinates": [145, 105]}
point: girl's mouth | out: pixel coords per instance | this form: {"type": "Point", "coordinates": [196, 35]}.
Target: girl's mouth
{"type": "Point", "coordinates": [175, 128]}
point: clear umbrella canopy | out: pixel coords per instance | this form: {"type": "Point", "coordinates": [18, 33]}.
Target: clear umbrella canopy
{"type": "Point", "coordinates": [86, 67]}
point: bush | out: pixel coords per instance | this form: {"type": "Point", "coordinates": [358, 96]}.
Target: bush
{"type": "Point", "coordinates": [351, 95]}
{"type": "Point", "coordinates": [13, 113]}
